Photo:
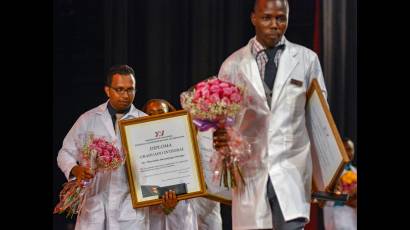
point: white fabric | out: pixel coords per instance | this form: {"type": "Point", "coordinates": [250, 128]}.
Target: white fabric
{"type": "Point", "coordinates": [288, 162]}
{"type": "Point", "coordinates": [108, 205]}
{"type": "Point", "coordinates": [339, 217]}
{"type": "Point", "coordinates": [208, 213]}
{"type": "Point", "coordinates": [182, 217]}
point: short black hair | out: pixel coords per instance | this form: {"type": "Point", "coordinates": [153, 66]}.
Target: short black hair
{"type": "Point", "coordinates": [170, 107]}
{"type": "Point", "coordinates": [118, 69]}
{"type": "Point", "coordinates": [256, 2]}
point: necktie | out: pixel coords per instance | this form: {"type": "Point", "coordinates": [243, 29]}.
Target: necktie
{"type": "Point", "coordinates": [270, 67]}
{"type": "Point", "coordinates": [118, 116]}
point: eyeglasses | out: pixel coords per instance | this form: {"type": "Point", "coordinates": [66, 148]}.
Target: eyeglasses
{"type": "Point", "coordinates": [122, 90]}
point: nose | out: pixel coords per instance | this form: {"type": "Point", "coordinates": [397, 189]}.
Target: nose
{"type": "Point", "coordinates": [125, 95]}
{"type": "Point", "coordinates": [273, 23]}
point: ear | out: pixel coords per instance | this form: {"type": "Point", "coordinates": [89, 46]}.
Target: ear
{"type": "Point", "coordinates": [107, 91]}
{"type": "Point", "coordinates": [253, 18]}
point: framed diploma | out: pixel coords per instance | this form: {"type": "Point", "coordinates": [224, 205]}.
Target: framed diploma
{"type": "Point", "coordinates": [328, 153]}
{"type": "Point", "coordinates": [161, 154]}
{"type": "Point", "coordinates": [214, 191]}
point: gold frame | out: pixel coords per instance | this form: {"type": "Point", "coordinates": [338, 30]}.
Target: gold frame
{"type": "Point", "coordinates": [131, 173]}
{"type": "Point", "coordinates": [345, 157]}
{"type": "Point", "coordinates": [210, 195]}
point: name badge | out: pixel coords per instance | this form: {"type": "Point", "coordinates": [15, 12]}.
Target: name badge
{"type": "Point", "coordinates": [296, 82]}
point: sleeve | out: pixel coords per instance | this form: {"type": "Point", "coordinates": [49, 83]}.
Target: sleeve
{"type": "Point", "coordinates": [315, 71]}
{"type": "Point", "coordinates": [68, 155]}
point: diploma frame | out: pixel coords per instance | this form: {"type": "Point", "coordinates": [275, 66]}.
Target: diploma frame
{"type": "Point", "coordinates": [205, 142]}
{"type": "Point", "coordinates": [165, 120]}
{"type": "Point", "coordinates": [345, 158]}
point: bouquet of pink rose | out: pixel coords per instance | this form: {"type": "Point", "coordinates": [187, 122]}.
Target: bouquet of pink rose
{"type": "Point", "coordinates": [99, 155]}
{"type": "Point", "coordinates": [215, 103]}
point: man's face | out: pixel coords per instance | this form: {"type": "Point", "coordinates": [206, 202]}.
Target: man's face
{"type": "Point", "coordinates": [156, 107]}
{"type": "Point", "coordinates": [270, 21]}
{"type": "Point", "coordinates": [121, 92]}
{"type": "Point", "coordinates": [349, 147]}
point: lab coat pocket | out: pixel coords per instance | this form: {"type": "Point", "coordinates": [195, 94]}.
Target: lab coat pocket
{"type": "Point", "coordinates": [295, 96]}
{"type": "Point", "coordinates": [93, 210]}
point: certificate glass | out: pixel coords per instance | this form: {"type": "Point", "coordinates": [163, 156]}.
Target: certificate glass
{"type": "Point", "coordinates": [328, 153]}
{"type": "Point", "coordinates": [161, 152]}
{"type": "Point", "coordinates": [214, 191]}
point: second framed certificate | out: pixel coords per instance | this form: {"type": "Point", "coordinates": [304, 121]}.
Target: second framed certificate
{"type": "Point", "coordinates": [161, 154]}
{"type": "Point", "coordinates": [328, 153]}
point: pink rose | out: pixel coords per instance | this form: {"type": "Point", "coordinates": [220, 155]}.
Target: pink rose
{"type": "Point", "coordinates": [101, 144]}
{"type": "Point", "coordinates": [235, 97]}
{"type": "Point", "coordinates": [204, 106]}
{"type": "Point", "coordinates": [224, 85]}
{"type": "Point", "coordinates": [109, 147]}
{"type": "Point", "coordinates": [205, 92]}
{"type": "Point", "coordinates": [226, 101]}
{"type": "Point", "coordinates": [214, 89]}
{"type": "Point", "coordinates": [214, 98]}
{"type": "Point", "coordinates": [197, 94]}
{"type": "Point", "coordinates": [98, 149]}
{"type": "Point", "coordinates": [227, 91]}
{"type": "Point", "coordinates": [215, 81]}
{"type": "Point", "coordinates": [106, 159]}
{"type": "Point", "coordinates": [200, 85]}
{"type": "Point", "coordinates": [105, 153]}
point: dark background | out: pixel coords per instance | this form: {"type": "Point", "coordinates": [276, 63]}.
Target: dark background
{"type": "Point", "coordinates": [174, 44]}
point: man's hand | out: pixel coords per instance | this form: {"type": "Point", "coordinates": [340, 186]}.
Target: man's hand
{"type": "Point", "coordinates": [169, 201]}
{"type": "Point", "coordinates": [220, 138]}
{"type": "Point", "coordinates": [352, 201]}
{"type": "Point", "coordinates": [82, 173]}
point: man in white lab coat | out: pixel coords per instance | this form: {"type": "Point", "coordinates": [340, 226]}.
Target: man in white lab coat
{"type": "Point", "coordinates": [177, 215]}
{"type": "Point", "coordinates": [108, 204]}
{"type": "Point", "coordinates": [278, 196]}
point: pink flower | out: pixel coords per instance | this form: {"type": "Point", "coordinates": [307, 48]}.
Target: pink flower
{"type": "Point", "coordinates": [105, 153]}
{"type": "Point", "coordinates": [205, 93]}
{"type": "Point", "coordinates": [226, 101]}
{"type": "Point", "coordinates": [235, 97]}
{"type": "Point", "coordinates": [215, 81]}
{"type": "Point", "coordinates": [204, 105]}
{"type": "Point", "coordinates": [197, 94]}
{"type": "Point", "coordinates": [227, 91]}
{"type": "Point", "coordinates": [224, 85]}
{"type": "Point", "coordinates": [201, 85]}
{"type": "Point", "coordinates": [215, 89]}
{"type": "Point", "coordinates": [234, 89]}
{"type": "Point", "coordinates": [214, 98]}
{"type": "Point", "coordinates": [101, 144]}
{"type": "Point", "coordinates": [98, 149]}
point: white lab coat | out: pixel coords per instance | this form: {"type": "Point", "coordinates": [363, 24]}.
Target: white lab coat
{"type": "Point", "coordinates": [182, 217]}
{"type": "Point", "coordinates": [288, 162]}
{"type": "Point", "coordinates": [208, 213]}
{"type": "Point", "coordinates": [108, 205]}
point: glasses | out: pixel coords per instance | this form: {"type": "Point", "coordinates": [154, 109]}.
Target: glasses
{"type": "Point", "coordinates": [122, 90]}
